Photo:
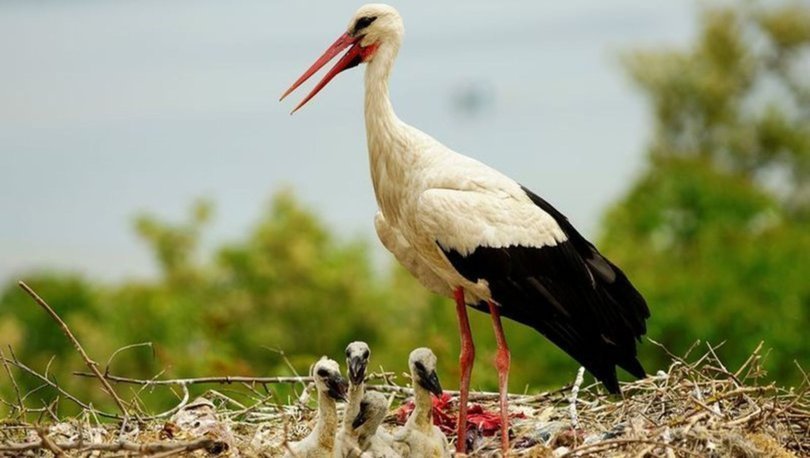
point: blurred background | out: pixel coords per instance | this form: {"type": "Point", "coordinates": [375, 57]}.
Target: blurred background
{"type": "Point", "coordinates": [153, 189]}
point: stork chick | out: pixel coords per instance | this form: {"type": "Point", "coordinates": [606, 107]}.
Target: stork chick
{"type": "Point", "coordinates": [420, 437]}
{"type": "Point", "coordinates": [371, 440]}
{"type": "Point", "coordinates": [331, 387]}
{"type": "Point", "coordinates": [357, 355]}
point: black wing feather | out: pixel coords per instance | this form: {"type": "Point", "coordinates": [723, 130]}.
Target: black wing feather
{"type": "Point", "coordinates": [570, 293]}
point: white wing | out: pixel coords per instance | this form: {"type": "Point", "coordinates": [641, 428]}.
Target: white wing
{"type": "Point", "coordinates": [394, 242]}
{"type": "Point", "coordinates": [462, 220]}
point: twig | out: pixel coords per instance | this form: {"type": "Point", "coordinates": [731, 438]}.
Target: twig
{"type": "Point", "coordinates": [90, 363]}
{"type": "Point", "coordinates": [754, 354]}
{"type": "Point", "coordinates": [614, 443]}
{"type": "Point", "coordinates": [474, 397]}
{"type": "Point", "coordinates": [286, 442]}
{"type": "Point", "coordinates": [220, 380]}
{"type": "Point", "coordinates": [48, 444]}
{"type": "Point", "coordinates": [223, 380]}
{"type": "Point", "coordinates": [120, 446]}
{"type": "Point", "coordinates": [52, 384]}
{"type": "Point", "coordinates": [88, 407]}
{"type": "Point", "coordinates": [20, 404]}
{"type": "Point", "coordinates": [122, 349]}
{"type": "Point", "coordinates": [572, 406]}
{"type": "Point", "coordinates": [722, 369]}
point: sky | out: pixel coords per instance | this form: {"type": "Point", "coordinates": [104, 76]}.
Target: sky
{"type": "Point", "coordinates": [111, 108]}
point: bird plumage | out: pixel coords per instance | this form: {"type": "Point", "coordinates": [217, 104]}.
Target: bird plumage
{"type": "Point", "coordinates": [447, 217]}
{"type": "Point", "coordinates": [470, 232]}
{"type": "Point", "coordinates": [568, 292]}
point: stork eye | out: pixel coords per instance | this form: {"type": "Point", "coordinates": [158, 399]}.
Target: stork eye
{"type": "Point", "coordinates": [363, 22]}
{"type": "Point", "coordinates": [323, 372]}
{"type": "Point", "coordinates": [365, 354]}
{"type": "Point", "coordinates": [419, 366]}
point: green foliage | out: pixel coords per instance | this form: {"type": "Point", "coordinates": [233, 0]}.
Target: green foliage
{"type": "Point", "coordinates": [288, 285]}
{"type": "Point", "coordinates": [715, 232]}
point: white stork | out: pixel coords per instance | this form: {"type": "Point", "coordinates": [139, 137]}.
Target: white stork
{"type": "Point", "coordinates": [469, 232]}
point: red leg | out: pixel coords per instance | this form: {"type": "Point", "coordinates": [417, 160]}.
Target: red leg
{"type": "Point", "coordinates": [502, 360]}
{"type": "Point", "coordinates": [466, 361]}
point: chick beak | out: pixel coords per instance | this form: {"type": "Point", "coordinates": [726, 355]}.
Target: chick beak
{"type": "Point", "coordinates": [338, 387]}
{"type": "Point", "coordinates": [431, 383]}
{"type": "Point", "coordinates": [362, 416]}
{"type": "Point", "coordinates": [357, 370]}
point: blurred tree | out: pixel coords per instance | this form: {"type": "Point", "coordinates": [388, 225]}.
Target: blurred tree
{"type": "Point", "coordinates": [715, 232]}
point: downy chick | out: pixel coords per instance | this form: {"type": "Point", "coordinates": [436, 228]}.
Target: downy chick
{"type": "Point", "coordinates": [420, 437]}
{"type": "Point", "coordinates": [331, 386]}
{"type": "Point", "coordinates": [357, 356]}
{"type": "Point", "coordinates": [371, 439]}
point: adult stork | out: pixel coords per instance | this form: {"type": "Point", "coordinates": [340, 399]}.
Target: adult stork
{"type": "Point", "coordinates": [468, 232]}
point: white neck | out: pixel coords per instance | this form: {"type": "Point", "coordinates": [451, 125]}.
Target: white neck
{"type": "Point", "coordinates": [385, 133]}
{"type": "Point", "coordinates": [327, 421]}
{"type": "Point", "coordinates": [380, 115]}
{"type": "Point", "coordinates": [422, 416]}
{"type": "Point", "coordinates": [353, 404]}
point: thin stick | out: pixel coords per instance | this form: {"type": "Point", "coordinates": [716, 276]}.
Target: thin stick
{"type": "Point", "coordinates": [124, 348]}
{"type": "Point", "coordinates": [221, 380]}
{"type": "Point", "coordinates": [753, 355]}
{"type": "Point", "coordinates": [145, 449]}
{"type": "Point", "coordinates": [20, 404]}
{"type": "Point", "coordinates": [48, 444]}
{"type": "Point", "coordinates": [606, 445]}
{"type": "Point", "coordinates": [572, 407]}
{"type": "Point", "coordinates": [90, 363]}
{"type": "Point", "coordinates": [49, 382]}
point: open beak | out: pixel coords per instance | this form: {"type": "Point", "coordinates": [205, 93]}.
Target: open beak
{"type": "Point", "coordinates": [357, 370]}
{"type": "Point", "coordinates": [352, 58]}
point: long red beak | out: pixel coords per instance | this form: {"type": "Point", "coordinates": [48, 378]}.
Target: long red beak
{"type": "Point", "coordinates": [353, 57]}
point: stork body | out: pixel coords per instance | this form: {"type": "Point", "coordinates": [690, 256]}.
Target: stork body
{"type": "Point", "coordinates": [467, 231]}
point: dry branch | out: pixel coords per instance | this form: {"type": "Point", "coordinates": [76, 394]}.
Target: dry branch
{"type": "Point", "coordinates": [696, 407]}
{"type": "Point", "coordinates": [48, 382]}
{"type": "Point", "coordinates": [20, 406]}
{"type": "Point", "coordinates": [66, 330]}
{"type": "Point", "coordinates": [221, 380]}
{"type": "Point", "coordinates": [120, 446]}
{"type": "Point", "coordinates": [604, 446]}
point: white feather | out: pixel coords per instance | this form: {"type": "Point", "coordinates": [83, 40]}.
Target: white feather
{"type": "Point", "coordinates": [429, 194]}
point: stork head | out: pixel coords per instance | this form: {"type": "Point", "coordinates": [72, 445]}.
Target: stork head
{"type": "Point", "coordinates": [373, 409]}
{"type": "Point", "coordinates": [326, 374]}
{"type": "Point", "coordinates": [422, 363]}
{"type": "Point", "coordinates": [372, 26]}
{"type": "Point", "coordinates": [357, 354]}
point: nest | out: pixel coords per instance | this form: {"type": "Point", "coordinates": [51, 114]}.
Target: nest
{"type": "Point", "coordinates": [696, 408]}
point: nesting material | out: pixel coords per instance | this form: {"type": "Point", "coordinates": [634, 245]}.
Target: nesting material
{"type": "Point", "coordinates": [694, 408]}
